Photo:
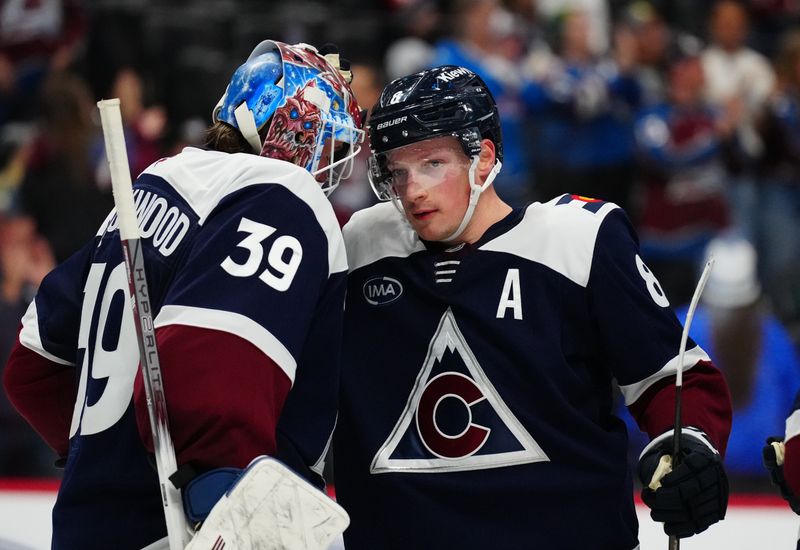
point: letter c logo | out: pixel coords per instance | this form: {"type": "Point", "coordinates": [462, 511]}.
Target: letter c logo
{"type": "Point", "coordinates": [437, 390]}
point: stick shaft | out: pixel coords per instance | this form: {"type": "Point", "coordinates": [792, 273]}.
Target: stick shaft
{"type": "Point", "coordinates": [674, 542]}
{"type": "Point", "coordinates": [166, 463]}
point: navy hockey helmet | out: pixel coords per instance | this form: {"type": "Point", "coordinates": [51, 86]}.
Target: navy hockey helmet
{"type": "Point", "coordinates": [443, 101]}
{"type": "Point", "coordinates": [290, 102]}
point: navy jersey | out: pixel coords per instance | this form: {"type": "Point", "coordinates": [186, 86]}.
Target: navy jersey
{"type": "Point", "coordinates": [246, 271]}
{"type": "Point", "coordinates": [476, 404]}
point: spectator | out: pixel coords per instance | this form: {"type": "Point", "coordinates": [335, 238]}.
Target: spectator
{"type": "Point", "coordinates": [585, 106]}
{"type": "Point", "coordinates": [740, 80]}
{"type": "Point", "coordinates": [60, 190]}
{"type": "Point", "coordinates": [652, 37]}
{"type": "Point", "coordinates": [681, 144]}
{"type": "Point", "coordinates": [418, 22]}
{"type": "Point", "coordinates": [144, 125]}
{"type": "Point", "coordinates": [778, 212]}
{"type": "Point", "coordinates": [474, 44]}
{"type": "Point", "coordinates": [597, 14]}
{"type": "Point", "coordinates": [25, 258]}
{"type": "Point", "coordinates": [35, 38]}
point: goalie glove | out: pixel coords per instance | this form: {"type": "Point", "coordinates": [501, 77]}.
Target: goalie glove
{"type": "Point", "coordinates": [690, 497]}
{"type": "Point", "coordinates": [773, 462]}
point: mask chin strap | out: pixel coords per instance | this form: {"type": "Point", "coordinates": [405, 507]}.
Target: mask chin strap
{"type": "Point", "coordinates": [475, 191]}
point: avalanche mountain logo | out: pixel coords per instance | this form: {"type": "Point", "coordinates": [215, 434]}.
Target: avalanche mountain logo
{"type": "Point", "coordinates": [454, 419]}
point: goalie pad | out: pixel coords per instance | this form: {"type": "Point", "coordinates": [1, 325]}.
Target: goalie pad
{"type": "Point", "coordinates": [271, 508]}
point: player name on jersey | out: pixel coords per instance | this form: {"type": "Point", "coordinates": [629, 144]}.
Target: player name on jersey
{"type": "Point", "coordinates": [158, 219]}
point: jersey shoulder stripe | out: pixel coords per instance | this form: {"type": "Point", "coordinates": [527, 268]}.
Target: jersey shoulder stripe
{"type": "Point", "coordinates": [378, 232]}
{"type": "Point", "coordinates": [204, 178]}
{"type": "Point", "coordinates": [560, 234]}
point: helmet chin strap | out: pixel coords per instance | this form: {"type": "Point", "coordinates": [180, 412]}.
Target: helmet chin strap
{"type": "Point", "coordinates": [475, 191]}
{"type": "Point", "coordinates": [247, 126]}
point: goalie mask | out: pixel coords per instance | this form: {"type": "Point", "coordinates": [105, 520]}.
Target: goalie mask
{"type": "Point", "coordinates": [443, 101]}
{"type": "Point", "coordinates": [292, 103]}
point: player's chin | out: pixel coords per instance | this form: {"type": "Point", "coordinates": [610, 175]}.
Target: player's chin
{"type": "Point", "coordinates": [428, 231]}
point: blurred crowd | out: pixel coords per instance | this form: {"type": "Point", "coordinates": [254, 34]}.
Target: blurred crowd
{"type": "Point", "coordinates": [686, 113]}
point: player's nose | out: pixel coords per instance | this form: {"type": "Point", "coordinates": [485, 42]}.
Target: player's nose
{"type": "Point", "coordinates": [414, 189]}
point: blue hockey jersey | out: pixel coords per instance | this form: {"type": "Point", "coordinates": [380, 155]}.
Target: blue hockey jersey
{"type": "Point", "coordinates": [476, 400]}
{"type": "Point", "coordinates": [246, 272]}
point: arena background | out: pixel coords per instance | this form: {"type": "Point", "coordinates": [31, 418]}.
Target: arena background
{"type": "Point", "coordinates": [169, 61]}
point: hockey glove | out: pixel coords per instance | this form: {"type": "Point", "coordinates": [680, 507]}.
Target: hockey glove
{"type": "Point", "coordinates": [693, 495]}
{"type": "Point", "coordinates": [773, 461]}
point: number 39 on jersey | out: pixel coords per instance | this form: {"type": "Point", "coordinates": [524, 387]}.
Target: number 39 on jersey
{"type": "Point", "coordinates": [283, 259]}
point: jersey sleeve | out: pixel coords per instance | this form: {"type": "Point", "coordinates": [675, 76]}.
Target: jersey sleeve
{"type": "Point", "coordinates": [220, 421]}
{"type": "Point", "coordinates": [237, 321]}
{"type": "Point", "coordinates": [641, 336]}
{"type": "Point", "coordinates": [39, 377]}
{"type": "Point", "coordinates": [43, 392]}
{"type": "Point", "coordinates": [309, 416]}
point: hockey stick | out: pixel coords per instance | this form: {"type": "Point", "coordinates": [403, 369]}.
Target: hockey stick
{"type": "Point", "coordinates": [177, 531]}
{"type": "Point", "coordinates": [675, 542]}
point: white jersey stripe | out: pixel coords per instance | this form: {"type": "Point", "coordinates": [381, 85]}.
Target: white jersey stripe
{"type": "Point", "coordinates": [632, 392]}
{"type": "Point", "coordinates": [31, 339]}
{"type": "Point", "coordinates": [569, 250]}
{"type": "Point", "coordinates": [792, 425]}
{"type": "Point", "coordinates": [205, 178]}
{"type": "Point", "coordinates": [232, 323]}
{"type": "Point", "coordinates": [389, 236]}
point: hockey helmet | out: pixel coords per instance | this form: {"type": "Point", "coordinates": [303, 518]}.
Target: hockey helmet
{"type": "Point", "coordinates": [292, 103]}
{"type": "Point", "coordinates": [443, 101]}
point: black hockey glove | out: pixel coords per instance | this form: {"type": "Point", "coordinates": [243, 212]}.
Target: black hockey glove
{"type": "Point", "coordinates": [693, 496]}
{"type": "Point", "coordinates": [775, 467]}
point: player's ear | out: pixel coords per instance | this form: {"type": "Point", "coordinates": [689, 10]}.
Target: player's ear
{"type": "Point", "coordinates": [487, 158]}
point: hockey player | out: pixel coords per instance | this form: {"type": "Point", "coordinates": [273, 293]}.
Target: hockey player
{"type": "Point", "coordinates": [480, 348]}
{"type": "Point", "coordinates": [792, 451]}
{"type": "Point", "coordinates": [246, 271]}
{"type": "Point", "coordinates": [782, 460]}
